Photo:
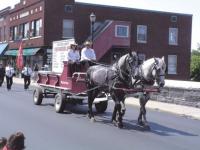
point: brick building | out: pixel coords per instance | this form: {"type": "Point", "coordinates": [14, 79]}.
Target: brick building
{"type": "Point", "coordinates": [4, 32]}
{"type": "Point", "coordinates": [116, 30]}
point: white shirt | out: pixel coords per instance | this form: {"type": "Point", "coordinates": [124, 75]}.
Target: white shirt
{"type": "Point", "coordinates": [9, 71]}
{"type": "Point", "coordinates": [88, 54]}
{"type": "Point", "coordinates": [27, 71]}
{"type": "Point", "coordinates": [73, 55]}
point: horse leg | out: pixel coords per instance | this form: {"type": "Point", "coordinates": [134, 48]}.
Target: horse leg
{"type": "Point", "coordinates": [119, 109]}
{"type": "Point", "coordinates": [91, 97]}
{"type": "Point", "coordinates": [123, 108]}
{"type": "Point", "coordinates": [143, 100]}
{"type": "Point", "coordinates": [146, 124]}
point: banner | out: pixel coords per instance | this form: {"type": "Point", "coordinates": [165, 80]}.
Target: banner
{"type": "Point", "coordinates": [20, 57]}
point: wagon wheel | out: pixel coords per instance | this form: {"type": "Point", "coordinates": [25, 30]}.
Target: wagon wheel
{"type": "Point", "coordinates": [59, 103]}
{"type": "Point", "coordinates": [37, 96]}
{"type": "Point", "coordinates": [101, 106]}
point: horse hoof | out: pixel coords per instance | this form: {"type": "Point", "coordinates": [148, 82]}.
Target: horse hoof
{"type": "Point", "coordinates": [92, 119]}
{"type": "Point", "coordinates": [140, 123]}
{"type": "Point", "coordinates": [120, 125]}
{"type": "Point", "coordinates": [147, 127]}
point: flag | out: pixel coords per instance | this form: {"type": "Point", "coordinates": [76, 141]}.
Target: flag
{"type": "Point", "coordinates": [20, 57]}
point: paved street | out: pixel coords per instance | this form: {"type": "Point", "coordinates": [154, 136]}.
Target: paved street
{"type": "Point", "coordinates": [45, 129]}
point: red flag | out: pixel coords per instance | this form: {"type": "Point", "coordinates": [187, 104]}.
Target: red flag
{"type": "Point", "coordinates": [20, 57]}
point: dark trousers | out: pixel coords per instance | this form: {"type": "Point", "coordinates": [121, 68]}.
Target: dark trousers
{"type": "Point", "coordinates": [9, 81]}
{"type": "Point", "coordinates": [85, 64]}
{"type": "Point", "coordinates": [27, 81]}
{"type": "Point", "coordinates": [74, 67]}
{"type": "Point", "coordinates": [1, 80]}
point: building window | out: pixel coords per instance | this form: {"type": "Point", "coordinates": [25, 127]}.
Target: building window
{"type": "Point", "coordinates": [15, 33]}
{"type": "Point", "coordinates": [173, 36]}
{"type": "Point", "coordinates": [36, 27]}
{"type": "Point", "coordinates": [26, 30]}
{"type": "Point", "coordinates": [173, 18]}
{"type": "Point", "coordinates": [40, 8]}
{"type": "Point", "coordinates": [68, 8]}
{"type": "Point", "coordinates": [121, 31]}
{"type": "Point", "coordinates": [172, 64]}
{"type": "Point", "coordinates": [68, 28]}
{"type": "Point", "coordinates": [141, 34]}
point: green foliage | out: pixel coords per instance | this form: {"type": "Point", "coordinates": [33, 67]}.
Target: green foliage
{"type": "Point", "coordinates": [195, 65]}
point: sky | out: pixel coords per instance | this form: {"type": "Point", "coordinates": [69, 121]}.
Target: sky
{"type": "Point", "coordinates": [178, 6]}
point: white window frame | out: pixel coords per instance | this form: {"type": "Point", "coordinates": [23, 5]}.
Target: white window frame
{"type": "Point", "coordinates": [173, 32]}
{"type": "Point", "coordinates": [72, 21]}
{"type": "Point", "coordinates": [169, 66]}
{"type": "Point", "coordinates": [122, 36]}
{"type": "Point", "coordinates": [145, 29]}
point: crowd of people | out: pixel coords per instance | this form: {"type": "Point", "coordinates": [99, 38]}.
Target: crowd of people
{"type": "Point", "coordinates": [16, 141]}
{"type": "Point", "coordinates": [8, 72]}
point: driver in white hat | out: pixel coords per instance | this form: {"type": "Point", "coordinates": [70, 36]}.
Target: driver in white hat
{"type": "Point", "coordinates": [87, 53]}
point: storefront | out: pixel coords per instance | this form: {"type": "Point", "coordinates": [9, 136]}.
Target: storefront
{"type": "Point", "coordinates": [3, 48]}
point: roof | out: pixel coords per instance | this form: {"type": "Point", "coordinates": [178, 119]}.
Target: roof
{"type": "Point", "coordinates": [132, 9]}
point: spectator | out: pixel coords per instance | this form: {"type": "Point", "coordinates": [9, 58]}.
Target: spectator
{"type": "Point", "coordinates": [35, 75]}
{"type": "Point", "coordinates": [15, 142]}
{"type": "Point", "coordinates": [27, 72]}
{"type": "Point", "coordinates": [3, 142]}
{"type": "Point", "coordinates": [2, 74]}
{"type": "Point", "coordinates": [9, 76]}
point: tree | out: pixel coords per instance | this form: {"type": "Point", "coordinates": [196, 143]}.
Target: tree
{"type": "Point", "coordinates": [195, 65]}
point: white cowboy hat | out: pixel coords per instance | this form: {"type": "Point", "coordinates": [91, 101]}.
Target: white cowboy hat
{"type": "Point", "coordinates": [88, 43]}
{"type": "Point", "coordinates": [73, 44]}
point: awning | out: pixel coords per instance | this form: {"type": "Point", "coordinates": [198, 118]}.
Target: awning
{"type": "Point", "coordinates": [26, 52]}
{"type": "Point", "coordinates": [3, 47]}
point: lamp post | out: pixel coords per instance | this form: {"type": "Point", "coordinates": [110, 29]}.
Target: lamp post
{"type": "Point", "coordinates": [92, 21]}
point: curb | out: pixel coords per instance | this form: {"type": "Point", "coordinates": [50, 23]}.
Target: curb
{"type": "Point", "coordinates": [181, 110]}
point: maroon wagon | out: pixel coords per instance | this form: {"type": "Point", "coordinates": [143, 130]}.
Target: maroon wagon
{"type": "Point", "coordinates": [67, 87]}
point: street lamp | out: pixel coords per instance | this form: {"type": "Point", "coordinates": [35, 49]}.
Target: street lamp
{"type": "Point", "coordinates": [92, 21]}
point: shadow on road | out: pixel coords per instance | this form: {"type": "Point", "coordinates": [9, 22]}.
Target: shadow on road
{"type": "Point", "coordinates": [130, 125]}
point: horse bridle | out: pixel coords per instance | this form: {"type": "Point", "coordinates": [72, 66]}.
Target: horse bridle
{"type": "Point", "coordinates": [155, 67]}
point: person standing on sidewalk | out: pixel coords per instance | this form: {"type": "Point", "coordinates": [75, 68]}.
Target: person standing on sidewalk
{"type": "Point", "coordinates": [9, 76]}
{"type": "Point", "coordinates": [35, 73]}
{"type": "Point", "coordinates": [2, 74]}
{"type": "Point", "coordinates": [27, 72]}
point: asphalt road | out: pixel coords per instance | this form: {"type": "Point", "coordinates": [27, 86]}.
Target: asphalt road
{"type": "Point", "coordinates": [46, 130]}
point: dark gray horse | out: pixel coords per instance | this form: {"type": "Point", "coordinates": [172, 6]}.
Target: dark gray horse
{"type": "Point", "coordinates": [113, 79]}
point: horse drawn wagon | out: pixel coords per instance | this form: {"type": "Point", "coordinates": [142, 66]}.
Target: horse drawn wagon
{"type": "Point", "coordinates": [65, 87]}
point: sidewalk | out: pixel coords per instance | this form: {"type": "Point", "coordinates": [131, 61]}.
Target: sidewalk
{"type": "Point", "coordinates": [166, 107]}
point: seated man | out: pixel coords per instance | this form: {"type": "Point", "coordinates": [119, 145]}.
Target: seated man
{"type": "Point", "coordinates": [88, 54]}
{"type": "Point", "coordinates": [73, 58]}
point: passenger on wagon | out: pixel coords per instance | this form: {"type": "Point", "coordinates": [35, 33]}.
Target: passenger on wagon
{"type": "Point", "coordinates": [88, 55]}
{"type": "Point", "coordinates": [73, 57]}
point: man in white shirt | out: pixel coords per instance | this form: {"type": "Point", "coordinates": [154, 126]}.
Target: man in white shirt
{"type": "Point", "coordinates": [88, 54]}
{"type": "Point", "coordinates": [9, 76]}
{"type": "Point", "coordinates": [27, 72]}
{"type": "Point", "coordinates": [73, 58]}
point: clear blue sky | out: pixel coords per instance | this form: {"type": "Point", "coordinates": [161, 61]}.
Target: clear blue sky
{"type": "Point", "coordinates": [179, 6]}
